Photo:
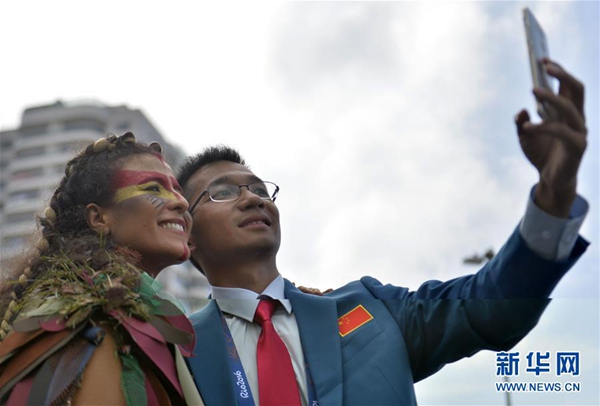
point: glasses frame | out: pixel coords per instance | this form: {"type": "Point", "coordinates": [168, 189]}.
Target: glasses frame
{"type": "Point", "coordinates": [247, 186]}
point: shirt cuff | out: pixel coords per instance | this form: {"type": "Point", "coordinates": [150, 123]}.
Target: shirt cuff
{"type": "Point", "coordinates": [551, 237]}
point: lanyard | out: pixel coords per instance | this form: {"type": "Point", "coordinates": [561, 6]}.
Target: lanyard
{"type": "Point", "coordinates": [244, 394]}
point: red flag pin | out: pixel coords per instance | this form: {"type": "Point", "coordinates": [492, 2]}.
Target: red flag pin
{"type": "Point", "coordinates": [353, 320]}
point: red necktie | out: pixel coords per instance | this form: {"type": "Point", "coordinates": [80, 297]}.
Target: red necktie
{"type": "Point", "coordinates": [276, 378]}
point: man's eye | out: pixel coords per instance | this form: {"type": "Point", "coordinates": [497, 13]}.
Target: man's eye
{"type": "Point", "coordinates": [221, 193]}
{"type": "Point", "coordinates": [261, 191]}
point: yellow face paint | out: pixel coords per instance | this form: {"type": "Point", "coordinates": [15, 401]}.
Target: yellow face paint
{"type": "Point", "coordinates": [151, 188]}
{"type": "Point", "coordinates": [130, 184]}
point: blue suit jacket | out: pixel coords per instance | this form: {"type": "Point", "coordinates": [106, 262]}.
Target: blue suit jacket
{"type": "Point", "coordinates": [411, 336]}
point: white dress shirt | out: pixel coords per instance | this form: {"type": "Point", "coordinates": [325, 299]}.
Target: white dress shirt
{"type": "Point", "coordinates": [238, 306]}
{"type": "Point", "coordinates": [552, 237]}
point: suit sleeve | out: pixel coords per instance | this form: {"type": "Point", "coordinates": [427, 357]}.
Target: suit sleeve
{"type": "Point", "coordinates": [492, 309]}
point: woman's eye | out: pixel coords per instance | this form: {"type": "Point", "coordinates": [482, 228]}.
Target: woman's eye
{"type": "Point", "coordinates": [152, 188]}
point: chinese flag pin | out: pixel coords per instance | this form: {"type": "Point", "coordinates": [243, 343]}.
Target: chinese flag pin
{"type": "Point", "coordinates": [353, 320]}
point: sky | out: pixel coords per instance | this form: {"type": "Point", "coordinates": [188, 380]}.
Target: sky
{"type": "Point", "coordinates": [388, 126]}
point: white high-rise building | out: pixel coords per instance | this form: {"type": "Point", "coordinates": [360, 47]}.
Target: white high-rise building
{"type": "Point", "coordinates": [33, 159]}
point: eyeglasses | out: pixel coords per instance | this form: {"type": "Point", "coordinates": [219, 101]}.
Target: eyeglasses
{"type": "Point", "coordinates": [226, 192]}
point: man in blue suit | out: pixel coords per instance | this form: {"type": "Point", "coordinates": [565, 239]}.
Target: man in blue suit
{"type": "Point", "coordinates": [367, 343]}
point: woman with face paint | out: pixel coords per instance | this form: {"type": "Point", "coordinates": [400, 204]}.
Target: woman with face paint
{"type": "Point", "coordinates": [83, 321]}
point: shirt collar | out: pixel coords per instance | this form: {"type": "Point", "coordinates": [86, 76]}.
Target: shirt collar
{"type": "Point", "coordinates": [243, 302]}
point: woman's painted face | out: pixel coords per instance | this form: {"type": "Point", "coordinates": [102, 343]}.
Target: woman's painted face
{"type": "Point", "coordinates": [149, 213]}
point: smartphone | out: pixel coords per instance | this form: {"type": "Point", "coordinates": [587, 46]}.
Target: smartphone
{"type": "Point", "coordinates": [538, 49]}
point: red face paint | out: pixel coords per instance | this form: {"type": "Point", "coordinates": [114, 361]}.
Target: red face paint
{"type": "Point", "coordinates": [124, 178]}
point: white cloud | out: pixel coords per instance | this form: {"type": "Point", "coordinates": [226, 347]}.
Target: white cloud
{"type": "Point", "coordinates": [400, 170]}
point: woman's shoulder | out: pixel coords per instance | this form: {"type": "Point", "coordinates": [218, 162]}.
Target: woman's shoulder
{"type": "Point", "coordinates": [94, 322]}
{"type": "Point", "coordinates": [104, 370]}
{"type": "Point", "coordinates": [45, 367]}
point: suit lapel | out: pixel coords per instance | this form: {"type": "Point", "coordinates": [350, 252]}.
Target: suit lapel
{"type": "Point", "coordinates": [317, 322]}
{"type": "Point", "coordinates": [210, 366]}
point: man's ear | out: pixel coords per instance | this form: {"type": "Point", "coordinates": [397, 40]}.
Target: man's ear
{"type": "Point", "coordinates": [97, 218]}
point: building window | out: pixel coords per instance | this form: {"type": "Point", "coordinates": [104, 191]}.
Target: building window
{"type": "Point", "coordinates": [26, 174]}
{"type": "Point", "coordinates": [30, 152]}
{"type": "Point", "coordinates": [34, 131]}
{"type": "Point", "coordinates": [58, 169]}
{"type": "Point", "coordinates": [13, 243]}
{"type": "Point", "coordinates": [24, 195]}
{"type": "Point", "coordinates": [81, 125]}
{"type": "Point", "coordinates": [19, 218]}
{"type": "Point", "coordinates": [66, 147]}
{"type": "Point", "coordinates": [123, 125]}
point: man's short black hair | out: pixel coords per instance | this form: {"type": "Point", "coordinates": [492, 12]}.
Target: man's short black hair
{"type": "Point", "coordinates": [208, 156]}
{"type": "Point", "coordinates": [195, 162]}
